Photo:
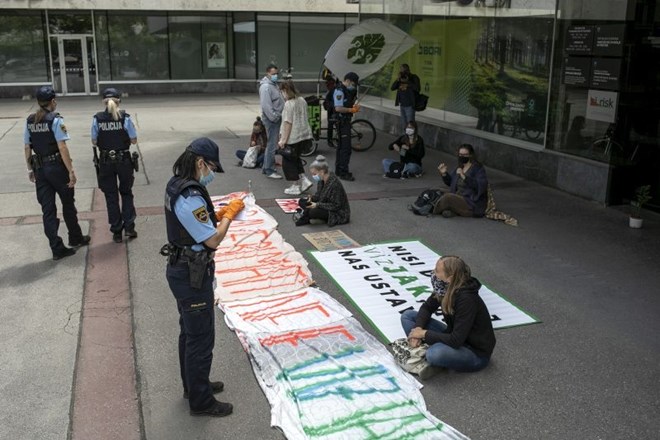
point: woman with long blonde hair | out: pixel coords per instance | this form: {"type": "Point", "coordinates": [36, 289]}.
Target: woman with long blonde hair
{"type": "Point", "coordinates": [113, 133]}
{"type": "Point", "coordinates": [465, 340]}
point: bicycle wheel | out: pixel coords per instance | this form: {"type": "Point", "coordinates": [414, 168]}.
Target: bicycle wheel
{"type": "Point", "coordinates": [363, 135]}
{"type": "Point", "coordinates": [309, 149]}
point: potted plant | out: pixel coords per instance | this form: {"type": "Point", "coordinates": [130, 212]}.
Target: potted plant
{"type": "Point", "coordinates": [642, 196]}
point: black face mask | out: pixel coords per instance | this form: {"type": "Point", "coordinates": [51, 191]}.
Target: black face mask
{"type": "Point", "coordinates": [462, 160]}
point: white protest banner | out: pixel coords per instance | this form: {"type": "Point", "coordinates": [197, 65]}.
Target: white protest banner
{"type": "Point", "coordinates": [384, 280]}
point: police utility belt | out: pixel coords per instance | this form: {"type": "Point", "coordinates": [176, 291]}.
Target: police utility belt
{"type": "Point", "coordinates": [38, 160]}
{"type": "Point", "coordinates": [198, 261]}
{"type": "Point", "coordinates": [114, 155]}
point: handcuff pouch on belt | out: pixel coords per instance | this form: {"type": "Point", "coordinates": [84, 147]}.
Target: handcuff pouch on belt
{"type": "Point", "coordinates": [198, 261]}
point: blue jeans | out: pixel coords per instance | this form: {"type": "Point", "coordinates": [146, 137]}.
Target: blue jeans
{"type": "Point", "coordinates": [407, 115]}
{"type": "Point", "coordinates": [409, 168]}
{"type": "Point", "coordinates": [273, 132]}
{"type": "Point", "coordinates": [441, 355]}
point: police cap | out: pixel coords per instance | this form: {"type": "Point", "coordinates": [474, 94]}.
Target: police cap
{"type": "Point", "coordinates": [353, 77]}
{"type": "Point", "coordinates": [111, 92]}
{"type": "Point", "coordinates": [45, 93]}
{"type": "Point", "coordinates": [208, 149]}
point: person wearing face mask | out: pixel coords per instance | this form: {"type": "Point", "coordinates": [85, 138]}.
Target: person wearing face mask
{"type": "Point", "coordinates": [50, 168]}
{"type": "Point", "coordinates": [194, 231]}
{"type": "Point", "coordinates": [407, 86]}
{"type": "Point", "coordinates": [468, 186]}
{"type": "Point", "coordinates": [411, 150]}
{"type": "Point", "coordinates": [272, 104]}
{"type": "Point", "coordinates": [344, 98]}
{"type": "Point", "coordinates": [466, 340]}
{"type": "Point", "coordinates": [330, 203]}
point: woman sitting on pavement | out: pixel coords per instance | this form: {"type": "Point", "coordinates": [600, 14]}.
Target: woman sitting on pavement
{"type": "Point", "coordinates": [330, 203]}
{"type": "Point", "coordinates": [295, 132]}
{"type": "Point", "coordinates": [468, 187]}
{"type": "Point", "coordinates": [466, 342]}
{"type": "Point", "coordinates": [410, 147]}
{"type": "Point", "coordinates": [258, 140]}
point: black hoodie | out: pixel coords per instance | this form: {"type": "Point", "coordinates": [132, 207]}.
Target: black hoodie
{"type": "Point", "coordinates": [470, 324]}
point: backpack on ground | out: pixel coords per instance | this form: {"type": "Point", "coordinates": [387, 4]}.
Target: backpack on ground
{"type": "Point", "coordinates": [395, 171]}
{"type": "Point", "coordinates": [426, 202]}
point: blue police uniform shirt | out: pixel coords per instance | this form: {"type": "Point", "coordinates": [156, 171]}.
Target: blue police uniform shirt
{"type": "Point", "coordinates": [185, 209]}
{"type": "Point", "coordinates": [128, 126]}
{"type": "Point", "coordinates": [339, 98]}
{"type": "Point", "coordinates": [58, 130]}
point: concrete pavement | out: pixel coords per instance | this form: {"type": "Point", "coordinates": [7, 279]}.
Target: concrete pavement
{"type": "Point", "coordinates": [590, 370]}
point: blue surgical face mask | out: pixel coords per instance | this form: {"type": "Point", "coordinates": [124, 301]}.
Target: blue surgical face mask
{"type": "Point", "coordinates": [205, 180]}
{"type": "Point", "coordinates": [273, 77]}
{"type": "Point", "coordinates": [316, 178]}
{"type": "Point", "coordinates": [351, 87]}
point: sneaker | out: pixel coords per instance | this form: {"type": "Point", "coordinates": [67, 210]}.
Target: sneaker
{"type": "Point", "coordinates": [130, 231]}
{"type": "Point", "coordinates": [218, 409]}
{"type": "Point", "coordinates": [116, 237]}
{"type": "Point", "coordinates": [305, 184]}
{"type": "Point", "coordinates": [63, 253]}
{"type": "Point", "coordinates": [274, 175]}
{"type": "Point", "coordinates": [428, 372]}
{"type": "Point", "coordinates": [447, 213]}
{"type": "Point", "coordinates": [293, 190]}
{"type": "Point", "coordinates": [216, 387]}
{"type": "Point", "coordinates": [83, 241]}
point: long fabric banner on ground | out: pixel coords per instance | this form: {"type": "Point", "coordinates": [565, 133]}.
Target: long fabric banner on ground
{"type": "Point", "coordinates": [384, 280]}
{"type": "Point", "coordinates": [324, 376]}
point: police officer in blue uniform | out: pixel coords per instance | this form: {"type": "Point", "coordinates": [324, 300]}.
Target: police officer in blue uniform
{"type": "Point", "coordinates": [194, 231]}
{"type": "Point", "coordinates": [50, 168]}
{"type": "Point", "coordinates": [344, 106]}
{"type": "Point", "coordinates": [113, 132]}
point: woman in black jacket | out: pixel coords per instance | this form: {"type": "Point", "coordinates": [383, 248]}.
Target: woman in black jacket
{"type": "Point", "coordinates": [411, 150]}
{"type": "Point", "coordinates": [465, 341]}
{"type": "Point", "coordinates": [330, 203]}
{"type": "Point", "coordinates": [468, 187]}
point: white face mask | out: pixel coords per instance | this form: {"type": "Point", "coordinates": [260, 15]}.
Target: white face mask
{"type": "Point", "coordinates": [410, 131]}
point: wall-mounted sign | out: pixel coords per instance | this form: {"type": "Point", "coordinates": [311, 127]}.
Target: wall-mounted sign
{"type": "Point", "coordinates": [577, 71]}
{"type": "Point", "coordinates": [579, 40]}
{"type": "Point", "coordinates": [608, 40]}
{"type": "Point", "coordinates": [215, 55]}
{"type": "Point", "coordinates": [601, 105]}
{"type": "Point", "coordinates": [605, 73]}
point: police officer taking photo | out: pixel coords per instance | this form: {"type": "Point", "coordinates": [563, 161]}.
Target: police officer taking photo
{"type": "Point", "coordinates": [113, 133]}
{"type": "Point", "coordinates": [194, 231]}
{"type": "Point", "coordinates": [50, 168]}
{"type": "Point", "coordinates": [344, 98]}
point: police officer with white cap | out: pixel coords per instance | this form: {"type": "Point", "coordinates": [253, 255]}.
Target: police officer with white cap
{"type": "Point", "coordinates": [113, 132]}
{"type": "Point", "coordinates": [194, 231]}
{"type": "Point", "coordinates": [50, 168]}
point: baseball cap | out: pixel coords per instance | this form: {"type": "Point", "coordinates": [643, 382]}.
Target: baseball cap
{"type": "Point", "coordinates": [45, 93]}
{"type": "Point", "coordinates": [111, 92]}
{"type": "Point", "coordinates": [353, 77]}
{"type": "Point", "coordinates": [208, 149]}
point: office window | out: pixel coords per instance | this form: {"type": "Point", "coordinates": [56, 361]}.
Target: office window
{"type": "Point", "coordinates": [23, 55]}
{"type": "Point", "coordinates": [245, 45]}
{"type": "Point", "coordinates": [273, 42]}
{"type": "Point", "coordinates": [311, 37]}
{"type": "Point", "coordinates": [198, 47]}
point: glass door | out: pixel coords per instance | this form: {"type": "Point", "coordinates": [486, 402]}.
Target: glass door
{"type": "Point", "coordinates": [74, 66]}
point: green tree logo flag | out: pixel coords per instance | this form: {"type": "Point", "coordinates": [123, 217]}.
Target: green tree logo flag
{"type": "Point", "coordinates": [365, 48]}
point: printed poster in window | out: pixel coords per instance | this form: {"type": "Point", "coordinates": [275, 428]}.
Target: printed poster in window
{"type": "Point", "coordinates": [215, 55]}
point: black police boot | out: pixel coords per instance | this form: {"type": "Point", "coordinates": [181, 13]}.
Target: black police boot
{"type": "Point", "coordinates": [62, 253]}
{"type": "Point", "coordinates": [82, 241]}
{"type": "Point", "coordinates": [116, 237]}
{"type": "Point", "coordinates": [218, 409]}
{"type": "Point", "coordinates": [130, 231]}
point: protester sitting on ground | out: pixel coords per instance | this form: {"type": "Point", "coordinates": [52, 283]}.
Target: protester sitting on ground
{"type": "Point", "coordinates": [468, 187]}
{"type": "Point", "coordinates": [410, 147]}
{"type": "Point", "coordinates": [330, 203]}
{"type": "Point", "coordinates": [295, 133]}
{"type": "Point", "coordinates": [258, 140]}
{"type": "Point", "coordinates": [466, 340]}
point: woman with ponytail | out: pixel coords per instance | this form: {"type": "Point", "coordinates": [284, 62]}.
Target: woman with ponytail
{"type": "Point", "coordinates": [465, 341]}
{"type": "Point", "coordinates": [113, 133]}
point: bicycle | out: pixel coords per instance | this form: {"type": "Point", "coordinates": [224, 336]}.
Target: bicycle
{"type": "Point", "coordinates": [363, 132]}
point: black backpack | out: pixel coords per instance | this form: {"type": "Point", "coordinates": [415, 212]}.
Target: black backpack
{"type": "Point", "coordinates": [426, 202]}
{"type": "Point", "coordinates": [396, 168]}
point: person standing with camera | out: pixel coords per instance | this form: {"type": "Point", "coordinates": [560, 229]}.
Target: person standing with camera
{"type": "Point", "coordinates": [468, 187]}
{"type": "Point", "coordinates": [113, 133]}
{"type": "Point", "coordinates": [407, 86]}
{"type": "Point", "coordinates": [50, 168]}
